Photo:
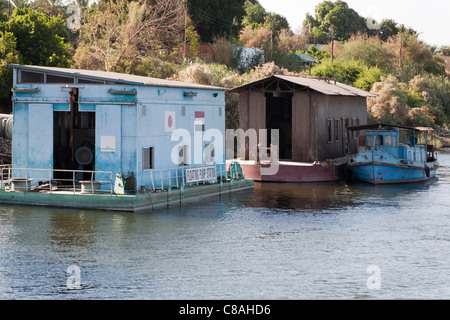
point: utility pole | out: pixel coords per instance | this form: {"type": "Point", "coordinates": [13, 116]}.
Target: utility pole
{"type": "Point", "coordinates": [401, 49]}
{"type": "Point", "coordinates": [271, 41]}
{"type": "Point", "coordinates": [332, 42]}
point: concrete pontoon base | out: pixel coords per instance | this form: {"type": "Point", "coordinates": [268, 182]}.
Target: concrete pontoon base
{"type": "Point", "coordinates": [127, 203]}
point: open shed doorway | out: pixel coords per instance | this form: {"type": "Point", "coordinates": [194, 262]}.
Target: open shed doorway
{"type": "Point", "coordinates": [73, 141]}
{"type": "Point", "coordinates": [279, 116]}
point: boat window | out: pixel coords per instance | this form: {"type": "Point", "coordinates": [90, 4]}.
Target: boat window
{"type": "Point", "coordinates": [388, 141]}
{"type": "Point", "coordinates": [369, 141]}
{"type": "Point", "coordinates": [379, 140]}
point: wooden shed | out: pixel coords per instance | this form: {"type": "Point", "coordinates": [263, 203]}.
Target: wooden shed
{"type": "Point", "coordinates": [310, 113]}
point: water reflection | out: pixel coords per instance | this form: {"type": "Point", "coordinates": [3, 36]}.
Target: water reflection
{"type": "Point", "coordinates": [276, 241]}
{"type": "Point", "coordinates": [69, 229]}
{"type": "Point", "coordinates": [328, 196]}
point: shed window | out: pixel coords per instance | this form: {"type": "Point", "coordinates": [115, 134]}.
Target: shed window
{"type": "Point", "coordinates": [337, 129]}
{"type": "Point", "coordinates": [81, 80]}
{"type": "Point", "coordinates": [30, 77]}
{"type": "Point", "coordinates": [148, 161]}
{"type": "Point", "coordinates": [357, 124]}
{"type": "Point", "coordinates": [330, 130]}
{"type": "Point", "coordinates": [199, 126]}
{"type": "Point", "coordinates": [183, 153]}
{"type": "Point", "coordinates": [51, 78]}
{"type": "Point", "coordinates": [209, 153]}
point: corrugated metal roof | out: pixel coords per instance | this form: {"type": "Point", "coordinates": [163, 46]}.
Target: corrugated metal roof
{"type": "Point", "coordinates": [328, 87]}
{"type": "Point", "coordinates": [304, 57]}
{"type": "Point", "coordinates": [116, 77]}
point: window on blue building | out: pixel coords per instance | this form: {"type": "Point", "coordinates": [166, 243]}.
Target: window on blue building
{"type": "Point", "coordinates": [30, 77]}
{"type": "Point", "coordinates": [148, 162]}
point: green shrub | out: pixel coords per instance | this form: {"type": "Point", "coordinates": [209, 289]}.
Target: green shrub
{"type": "Point", "coordinates": [353, 72]}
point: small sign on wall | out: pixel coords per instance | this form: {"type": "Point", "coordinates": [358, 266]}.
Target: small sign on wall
{"type": "Point", "coordinates": [201, 174]}
{"type": "Point", "coordinates": [169, 121]}
{"type": "Point", "coordinates": [108, 144]}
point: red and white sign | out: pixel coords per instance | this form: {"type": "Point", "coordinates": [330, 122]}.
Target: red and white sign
{"type": "Point", "coordinates": [169, 122]}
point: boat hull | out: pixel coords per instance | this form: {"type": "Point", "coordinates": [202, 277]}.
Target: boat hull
{"type": "Point", "coordinates": [382, 173]}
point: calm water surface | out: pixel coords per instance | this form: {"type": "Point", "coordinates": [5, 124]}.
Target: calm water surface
{"type": "Point", "coordinates": [279, 241]}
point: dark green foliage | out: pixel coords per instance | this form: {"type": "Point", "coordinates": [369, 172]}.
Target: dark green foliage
{"type": "Point", "coordinates": [215, 19]}
{"type": "Point", "coordinates": [30, 37]}
{"type": "Point", "coordinates": [42, 38]}
{"type": "Point", "coordinates": [345, 20]}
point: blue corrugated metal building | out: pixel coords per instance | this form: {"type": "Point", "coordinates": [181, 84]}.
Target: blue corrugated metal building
{"type": "Point", "coordinates": [70, 119]}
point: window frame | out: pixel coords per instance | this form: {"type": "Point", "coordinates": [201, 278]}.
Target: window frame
{"type": "Point", "coordinates": [330, 131]}
{"type": "Point", "coordinates": [150, 164]}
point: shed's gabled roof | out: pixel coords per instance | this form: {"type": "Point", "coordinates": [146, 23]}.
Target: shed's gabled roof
{"type": "Point", "coordinates": [325, 86]}
{"type": "Point", "coordinates": [115, 77]}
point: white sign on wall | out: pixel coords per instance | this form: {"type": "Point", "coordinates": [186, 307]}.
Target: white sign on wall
{"type": "Point", "coordinates": [108, 144]}
{"type": "Point", "coordinates": [169, 121]}
{"type": "Point", "coordinates": [201, 174]}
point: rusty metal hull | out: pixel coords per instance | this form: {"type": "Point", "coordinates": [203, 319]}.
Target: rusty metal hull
{"type": "Point", "coordinates": [297, 172]}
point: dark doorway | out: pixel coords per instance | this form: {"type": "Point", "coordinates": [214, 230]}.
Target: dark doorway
{"type": "Point", "coordinates": [279, 116]}
{"type": "Point", "coordinates": [73, 141]}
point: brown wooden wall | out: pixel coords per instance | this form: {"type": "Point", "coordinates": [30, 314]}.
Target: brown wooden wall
{"type": "Point", "coordinates": [252, 110]}
{"type": "Point", "coordinates": [338, 108]}
{"type": "Point", "coordinates": [304, 129]}
{"type": "Point", "coordinates": [252, 115]}
{"type": "Point", "coordinates": [310, 112]}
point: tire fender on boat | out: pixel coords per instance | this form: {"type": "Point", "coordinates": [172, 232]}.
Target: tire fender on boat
{"type": "Point", "coordinates": [427, 171]}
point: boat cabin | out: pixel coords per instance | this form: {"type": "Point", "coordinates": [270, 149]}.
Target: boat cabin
{"type": "Point", "coordinates": [407, 143]}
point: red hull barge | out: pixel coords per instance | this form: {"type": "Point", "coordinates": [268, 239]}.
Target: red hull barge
{"type": "Point", "coordinates": [290, 171]}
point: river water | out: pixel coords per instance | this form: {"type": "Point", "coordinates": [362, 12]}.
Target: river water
{"type": "Point", "coordinates": [279, 241]}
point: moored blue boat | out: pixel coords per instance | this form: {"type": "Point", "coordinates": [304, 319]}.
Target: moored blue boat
{"type": "Point", "coordinates": [392, 154]}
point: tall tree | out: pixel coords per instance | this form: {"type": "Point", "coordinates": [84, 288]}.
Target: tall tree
{"type": "Point", "coordinates": [345, 20]}
{"type": "Point", "coordinates": [388, 29]}
{"type": "Point", "coordinates": [215, 19]}
{"type": "Point", "coordinates": [30, 37]}
{"type": "Point", "coordinates": [116, 30]}
{"type": "Point", "coordinates": [41, 39]}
